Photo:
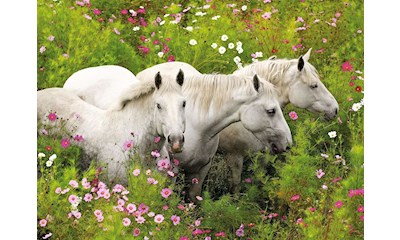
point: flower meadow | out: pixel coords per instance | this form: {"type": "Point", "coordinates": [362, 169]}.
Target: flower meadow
{"type": "Point", "coordinates": [313, 191]}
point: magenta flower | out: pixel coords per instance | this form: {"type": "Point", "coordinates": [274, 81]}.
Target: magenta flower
{"type": "Point", "coordinates": [338, 204]}
{"type": "Point", "coordinates": [220, 234]}
{"type": "Point", "coordinates": [319, 173]}
{"type": "Point", "coordinates": [295, 198]}
{"type": "Point", "coordinates": [88, 197]}
{"type": "Point", "coordinates": [141, 11]}
{"type": "Point", "coordinates": [171, 58]}
{"type": "Point", "coordinates": [96, 12]}
{"type": "Point", "coordinates": [346, 67]}
{"type": "Point", "coordinates": [240, 231]}
{"type": "Point", "coordinates": [159, 218]}
{"type": "Point", "coordinates": [197, 232]}
{"type": "Point", "coordinates": [78, 138]}
{"type": "Point", "coordinates": [136, 232]}
{"type": "Point", "coordinates": [184, 238]}
{"type": "Point", "coordinates": [152, 181]}
{"type": "Point", "coordinates": [293, 115]}
{"type": "Point", "coordinates": [175, 219]}
{"type": "Point", "coordinates": [266, 15]}
{"type": "Point", "coordinates": [195, 181]}
{"type": "Point", "coordinates": [124, 11]}
{"type": "Point", "coordinates": [248, 180]}
{"type": "Point", "coordinates": [43, 222]}
{"type": "Point", "coordinates": [143, 49]}
{"type": "Point", "coordinates": [362, 218]}
{"type": "Point", "coordinates": [312, 209]}
{"type": "Point", "coordinates": [181, 207]}
{"type": "Point", "coordinates": [360, 209]}
{"type": "Point", "coordinates": [143, 208]}
{"type": "Point", "coordinates": [126, 222]}
{"type": "Point", "coordinates": [166, 192]}
{"type": "Point", "coordinates": [157, 139]}
{"type": "Point", "coordinates": [176, 162]}
{"type": "Point", "coordinates": [52, 117]}
{"type": "Point", "coordinates": [272, 215]}
{"type": "Point", "coordinates": [65, 143]}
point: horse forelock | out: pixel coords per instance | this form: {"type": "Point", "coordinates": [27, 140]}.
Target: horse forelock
{"type": "Point", "coordinates": [214, 90]}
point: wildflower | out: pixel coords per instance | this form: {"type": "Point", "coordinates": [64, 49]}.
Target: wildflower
{"type": "Point", "coordinates": [358, 89]}
{"type": "Point", "coordinates": [88, 197]}
{"type": "Point", "coordinates": [239, 50]}
{"type": "Point", "coordinates": [136, 172]}
{"type": "Point", "coordinates": [175, 219]}
{"type": "Point", "coordinates": [189, 28]}
{"type": "Point", "coordinates": [266, 15]}
{"type": "Point", "coordinates": [98, 213]}
{"type": "Point", "coordinates": [324, 155]}
{"type": "Point", "coordinates": [49, 163]}
{"type": "Point", "coordinates": [77, 214]}
{"type": "Point", "coordinates": [231, 45]}
{"type": "Point", "coordinates": [72, 199]}
{"type": "Point", "coordinates": [41, 155]}
{"type": "Point", "coordinates": [131, 207]}
{"type": "Point", "coordinates": [73, 183]}
{"type": "Point", "coordinates": [362, 218]}
{"type": "Point", "coordinates": [124, 11]}
{"type": "Point", "coordinates": [166, 192]}
{"type": "Point", "coordinates": [312, 209]}
{"type": "Point", "coordinates": [272, 215]}
{"type": "Point", "coordinates": [100, 218]}
{"type": "Point", "coordinates": [240, 231]}
{"type": "Point", "coordinates": [215, 17]}
{"type": "Point", "coordinates": [237, 59]}
{"type": "Point", "coordinates": [332, 134]}
{"type": "Point", "coordinates": [224, 37]}
{"type": "Point", "coordinates": [346, 67]}
{"type": "Point", "coordinates": [244, 8]}
{"type": "Point", "coordinates": [299, 19]}
{"type": "Point", "coordinates": [338, 204]}
{"type": "Point", "coordinates": [360, 209]}
{"type": "Point", "coordinates": [181, 207]}
{"type": "Point", "coordinates": [192, 42]}
{"type": "Point", "coordinates": [126, 222]}
{"type": "Point", "coordinates": [293, 115]}
{"type": "Point", "coordinates": [87, 17]}
{"type": "Point", "coordinates": [336, 179]}
{"type": "Point", "coordinates": [155, 153]}
{"type": "Point", "coordinates": [42, 49]}
{"type": "Point", "coordinates": [65, 143]}
{"type": "Point", "coordinates": [171, 58]}
{"type": "Point", "coordinates": [128, 144]}
{"type": "Point", "coordinates": [136, 28]}
{"type": "Point", "coordinates": [58, 190]}
{"type": "Point", "coordinates": [78, 138]}
{"type": "Point", "coordinates": [221, 50]}
{"type": "Point", "coordinates": [356, 107]}
{"type": "Point", "coordinates": [52, 117]}
{"type": "Point", "coordinates": [159, 218]}
{"type": "Point", "coordinates": [220, 234]}
{"type": "Point", "coordinates": [65, 191]}
{"type": "Point", "coordinates": [51, 38]}
{"type": "Point", "coordinates": [199, 198]}
{"type": "Point", "coordinates": [152, 181]}
{"type": "Point", "coordinates": [140, 219]}
{"type": "Point", "coordinates": [248, 180]}
{"type": "Point", "coordinates": [143, 49]}
{"type": "Point", "coordinates": [295, 198]}
{"type": "Point", "coordinates": [319, 173]}
{"type": "Point", "coordinates": [214, 45]}
{"type": "Point", "coordinates": [43, 222]}
{"type": "Point", "coordinates": [96, 12]}
{"type": "Point", "coordinates": [324, 187]}
{"type": "Point", "coordinates": [136, 232]}
{"type": "Point", "coordinates": [143, 208]}
{"type": "Point", "coordinates": [163, 164]}
{"type": "Point", "coordinates": [184, 238]}
{"type": "Point", "coordinates": [47, 236]}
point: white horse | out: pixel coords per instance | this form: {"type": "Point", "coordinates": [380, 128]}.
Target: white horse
{"type": "Point", "coordinates": [150, 108]}
{"type": "Point", "coordinates": [298, 83]}
{"type": "Point", "coordinates": [215, 102]}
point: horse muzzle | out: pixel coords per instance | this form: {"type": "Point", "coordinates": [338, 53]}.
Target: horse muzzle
{"type": "Point", "coordinates": [176, 143]}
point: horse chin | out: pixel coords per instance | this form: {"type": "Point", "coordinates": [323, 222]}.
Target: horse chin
{"type": "Point", "coordinates": [274, 149]}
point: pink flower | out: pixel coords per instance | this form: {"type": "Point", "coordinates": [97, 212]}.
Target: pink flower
{"type": "Point", "coordinates": [297, 46]}
{"type": "Point", "coordinates": [312, 209]}
{"type": "Point", "coordinates": [65, 143]}
{"type": "Point", "coordinates": [155, 153]}
{"type": "Point", "coordinates": [143, 49]}
{"type": "Point", "coordinates": [336, 179]}
{"type": "Point", "coordinates": [299, 19]}
{"type": "Point", "coordinates": [175, 219]}
{"type": "Point", "coordinates": [197, 232]}
{"type": "Point", "coordinates": [142, 22]}
{"type": "Point", "coordinates": [143, 208]}
{"type": "Point", "coordinates": [199, 198]}
{"type": "Point", "coordinates": [131, 207]}
{"type": "Point", "coordinates": [42, 49]}
{"type": "Point", "coordinates": [166, 192]}
{"type": "Point", "coordinates": [100, 218]}
{"type": "Point", "coordinates": [324, 187]}
{"type": "Point", "coordinates": [128, 144]}
{"type": "Point", "coordinates": [266, 15]}
{"type": "Point", "coordinates": [295, 198]}
{"type": "Point", "coordinates": [360, 209]}
{"type": "Point", "coordinates": [47, 236]}
{"type": "Point", "coordinates": [80, 3]}
{"type": "Point", "coordinates": [240, 231]}
{"type": "Point", "coordinates": [293, 115]}
{"type": "Point", "coordinates": [220, 234]}
{"type": "Point", "coordinates": [51, 38]}
{"type": "Point", "coordinates": [141, 11]}
{"type": "Point", "coordinates": [338, 204]}
{"type": "Point", "coordinates": [58, 190]}
{"type": "Point", "coordinates": [163, 164]}
{"type": "Point", "coordinates": [346, 67]}
{"type": "Point", "coordinates": [195, 181]}
{"type": "Point", "coordinates": [72, 199]}
{"type": "Point", "coordinates": [116, 31]}
{"type": "Point", "coordinates": [87, 17]}
{"type": "Point", "coordinates": [324, 40]}
{"type": "Point", "coordinates": [52, 117]}
{"type": "Point", "coordinates": [184, 238]}
{"type": "Point", "coordinates": [136, 232]}
{"type": "Point", "coordinates": [159, 218]}
{"type": "Point", "coordinates": [272, 215]}
{"type": "Point", "coordinates": [98, 213]}
{"type": "Point", "coordinates": [248, 180]}
{"type": "Point", "coordinates": [337, 15]}
{"type": "Point", "coordinates": [88, 197]}
{"type": "Point", "coordinates": [157, 139]}
{"type": "Point", "coordinates": [78, 138]}
{"type": "Point", "coordinates": [140, 219]}
{"type": "Point", "coordinates": [126, 222]}
{"type": "Point", "coordinates": [319, 173]}
{"type": "Point", "coordinates": [96, 12]}
{"type": "Point", "coordinates": [131, 20]}
{"type": "Point", "coordinates": [121, 202]}
{"type": "Point", "coordinates": [124, 11]}
{"type": "Point", "coordinates": [181, 207]}
{"type": "Point", "coordinates": [171, 58]}
{"type": "Point", "coordinates": [176, 162]}
{"type": "Point", "coordinates": [152, 181]}
{"type": "Point", "coordinates": [43, 222]}
{"type": "Point", "coordinates": [136, 172]}
{"type": "Point", "coordinates": [362, 218]}
{"type": "Point", "coordinates": [77, 214]}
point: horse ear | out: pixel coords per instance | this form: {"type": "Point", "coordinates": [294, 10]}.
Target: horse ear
{"type": "Point", "coordinates": [307, 55]}
{"type": "Point", "coordinates": [300, 65]}
{"type": "Point", "coordinates": [157, 80]}
{"type": "Point", "coordinates": [180, 77]}
{"type": "Point", "coordinates": [256, 82]}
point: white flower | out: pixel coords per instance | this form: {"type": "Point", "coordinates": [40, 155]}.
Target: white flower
{"type": "Point", "coordinates": [259, 54]}
{"type": "Point", "coordinates": [189, 28]}
{"type": "Point", "coordinates": [160, 54]}
{"type": "Point", "coordinates": [194, 21]}
{"type": "Point", "coordinates": [362, 101]}
{"type": "Point", "coordinates": [215, 17]}
{"type": "Point", "coordinates": [136, 28]}
{"type": "Point", "coordinates": [221, 50]}
{"type": "Point", "coordinates": [206, 6]}
{"type": "Point", "coordinates": [49, 163]}
{"type": "Point", "coordinates": [162, 22]}
{"type": "Point", "coordinates": [166, 15]}
{"type": "Point", "coordinates": [231, 45]}
{"type": "Point", "coordinates": [41, 155]}
{"type": "Point", "coordinates": [324, 187]}
{"type": "Point", "coordinates": [356, 107]}
{"type": "Point", "coordinates": [237, 59]}
{"type": "Point", "coordinates": [244, 8]}
{"type": "Point", "coordinates": [224, 37]}
{"type": "Point", "coordinates": [239, 44]}
{"type": "Point", "coordinates": [239, 50]}
{"type": "Point", "coordinates": [332, 134]}
{"type": "Point", "coordinates": [361, 78]}
{"type": "Point", "coordinates": [358, 72]}
{"type": "Point", "coordinates": [53, 157]}
{"type": "Point", "coordinates": [200, 14]}
{"type": "Point", "coordinates": [214, 45]}
{"type": "Point", "coordinates": [192, 42]}
{"type": "Point", "coordinates": [324, 155]}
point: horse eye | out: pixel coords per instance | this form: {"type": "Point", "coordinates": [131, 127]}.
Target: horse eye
{"type": "Point", "coordinates": [271, 111]}
{"type": "Point", "coordinates": [158, 106]}
{"type": "Point", "coordinates": [314, 86]}
{"type": "Point", "coordinates": [184, 104]}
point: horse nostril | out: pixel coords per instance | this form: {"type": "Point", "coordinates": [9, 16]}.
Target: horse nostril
{"type": "Point", "coordinates": [169, 139]}
{"type": "Point", "coordinates": [287, 148]}
{"type": "Point", "coordinates": [336, 111]}
{"type": "Point", "coordinates": [183, 138]}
